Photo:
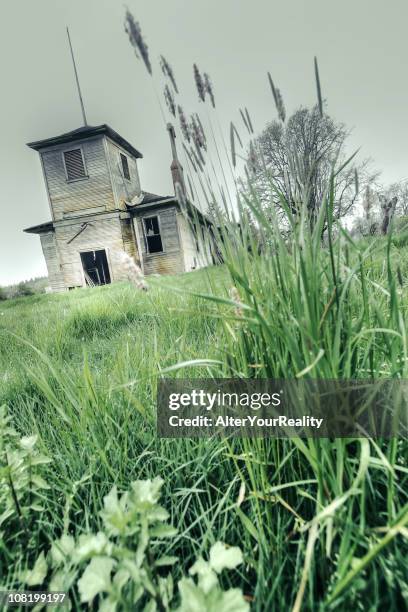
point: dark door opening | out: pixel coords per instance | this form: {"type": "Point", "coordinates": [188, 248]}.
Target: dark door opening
{"type": "Point", "coordinates": [96, 269]}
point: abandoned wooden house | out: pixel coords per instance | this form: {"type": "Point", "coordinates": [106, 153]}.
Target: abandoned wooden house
{"type": "Point", "coordinates": [99, 211]}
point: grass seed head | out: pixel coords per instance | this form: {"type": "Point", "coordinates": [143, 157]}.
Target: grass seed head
{"type": "Point", "coordinates": [209, 88]}
{"type": "Point", "coordinates": [197, 132]}
{"type": "Point", "coordinates": [318, 87]}
{"type": "Point", "coordinates": [199, 83]}
{"type": "Point", "coordinates": [399, 276]}
{"type": "Point", "coordinates": [168, 96]}
{"type": "Point", "coordinates": [277, 96]}
{"type": "Point", "coordinates": [168, 72]}
{"type": "Point", "coordinates": [134, 273]}
{"type": "Point", "coordinates": [185, 129]}
{"type": "Point", "coordinates": [197, 140]}
{"type": "Point", "coordinates": [133, 30]}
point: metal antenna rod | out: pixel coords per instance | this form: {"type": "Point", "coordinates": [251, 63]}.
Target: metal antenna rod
{"type": "Point", "coordinates": [77, 80]}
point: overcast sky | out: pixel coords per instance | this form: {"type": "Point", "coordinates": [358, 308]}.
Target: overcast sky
{"type": "Point", "coordinates": [361, 45]}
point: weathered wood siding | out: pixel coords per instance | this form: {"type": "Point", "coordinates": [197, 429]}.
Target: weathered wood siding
{"type": "Point", "coordinates": [84, 196]}
{"type": "Point", "coordinates": [103, 232]}
{"type": "Point", "coordinates": [170, 261]}
{"type": "Point", "coordinates": [49, 247]}
{"type": "Point", "coordinates": [115, 232]}
{"type": "Point", "coordinates": [123, 189]}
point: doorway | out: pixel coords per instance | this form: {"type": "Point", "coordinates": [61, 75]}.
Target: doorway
{"type": "Point", "coordinates": [96, 268]}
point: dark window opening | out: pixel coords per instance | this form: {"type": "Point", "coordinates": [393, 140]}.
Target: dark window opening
{"type": "Point", "coordinates": [154, 242]}
{"type": "Point", "coordinates": [96, 269]}
{"type": "Point", "coordinates": [74, 164]}
{"type": "Point", "coordinates": [125, 166]}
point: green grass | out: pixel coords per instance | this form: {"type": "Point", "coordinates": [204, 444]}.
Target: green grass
{"type": "Point", "coordinates": [80, 370]}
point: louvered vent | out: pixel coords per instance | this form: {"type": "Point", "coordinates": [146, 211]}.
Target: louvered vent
{"type": "Point", "coordinates": [74, 164]}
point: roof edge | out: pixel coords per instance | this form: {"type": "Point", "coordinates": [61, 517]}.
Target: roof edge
{"type": "Point", "coordinates": [191, 208]}
{"type": "Point", "coordinates": [42, 228]}
{"type": "Point", "coordinates": [81, 134]}
{"type": "Point", "coordinates": [160, 200]}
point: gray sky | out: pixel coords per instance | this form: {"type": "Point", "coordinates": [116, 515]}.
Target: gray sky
{"type": "Point", "coordinates": [362, 49]}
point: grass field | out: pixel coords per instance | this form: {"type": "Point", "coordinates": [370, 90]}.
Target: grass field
{"type": "Point", "coordinates": [321, 523]}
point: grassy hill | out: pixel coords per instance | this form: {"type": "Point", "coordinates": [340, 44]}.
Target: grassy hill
{"type": "Point", "coordinates": [119, 330]}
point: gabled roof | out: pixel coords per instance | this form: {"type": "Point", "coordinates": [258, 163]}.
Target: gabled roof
{"type": "Point", "coordinates": [81, 133]}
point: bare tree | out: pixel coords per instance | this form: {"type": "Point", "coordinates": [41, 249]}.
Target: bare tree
{"type": "Point", "coordinates": [398, 190]}
{"type": "Point", "coordinates": [380, 206]}
{"type": "Point", "coordinates": [388, 211]}
{"type": "Point", "coordinates": [298, 158]}
{"type": "Point", "coordinates": [370, 222]}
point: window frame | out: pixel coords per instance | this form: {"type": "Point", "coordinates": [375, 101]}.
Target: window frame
{"type": "Point", "coordinates": [81, 178]}
{"type": "Point", "coordinates": [123, 156]}
{"type": "Point", "coordinates": [144, 219]}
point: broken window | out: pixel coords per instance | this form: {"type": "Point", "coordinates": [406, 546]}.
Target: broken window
{"type": "Point", "coordinates": [154, 242]}
{"type": "Point", "coordinates": [125, 166]}
{"type": "Point", "coordinates": [74, 164]}
{"type": "Point", "coordinates": [96, 269]}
